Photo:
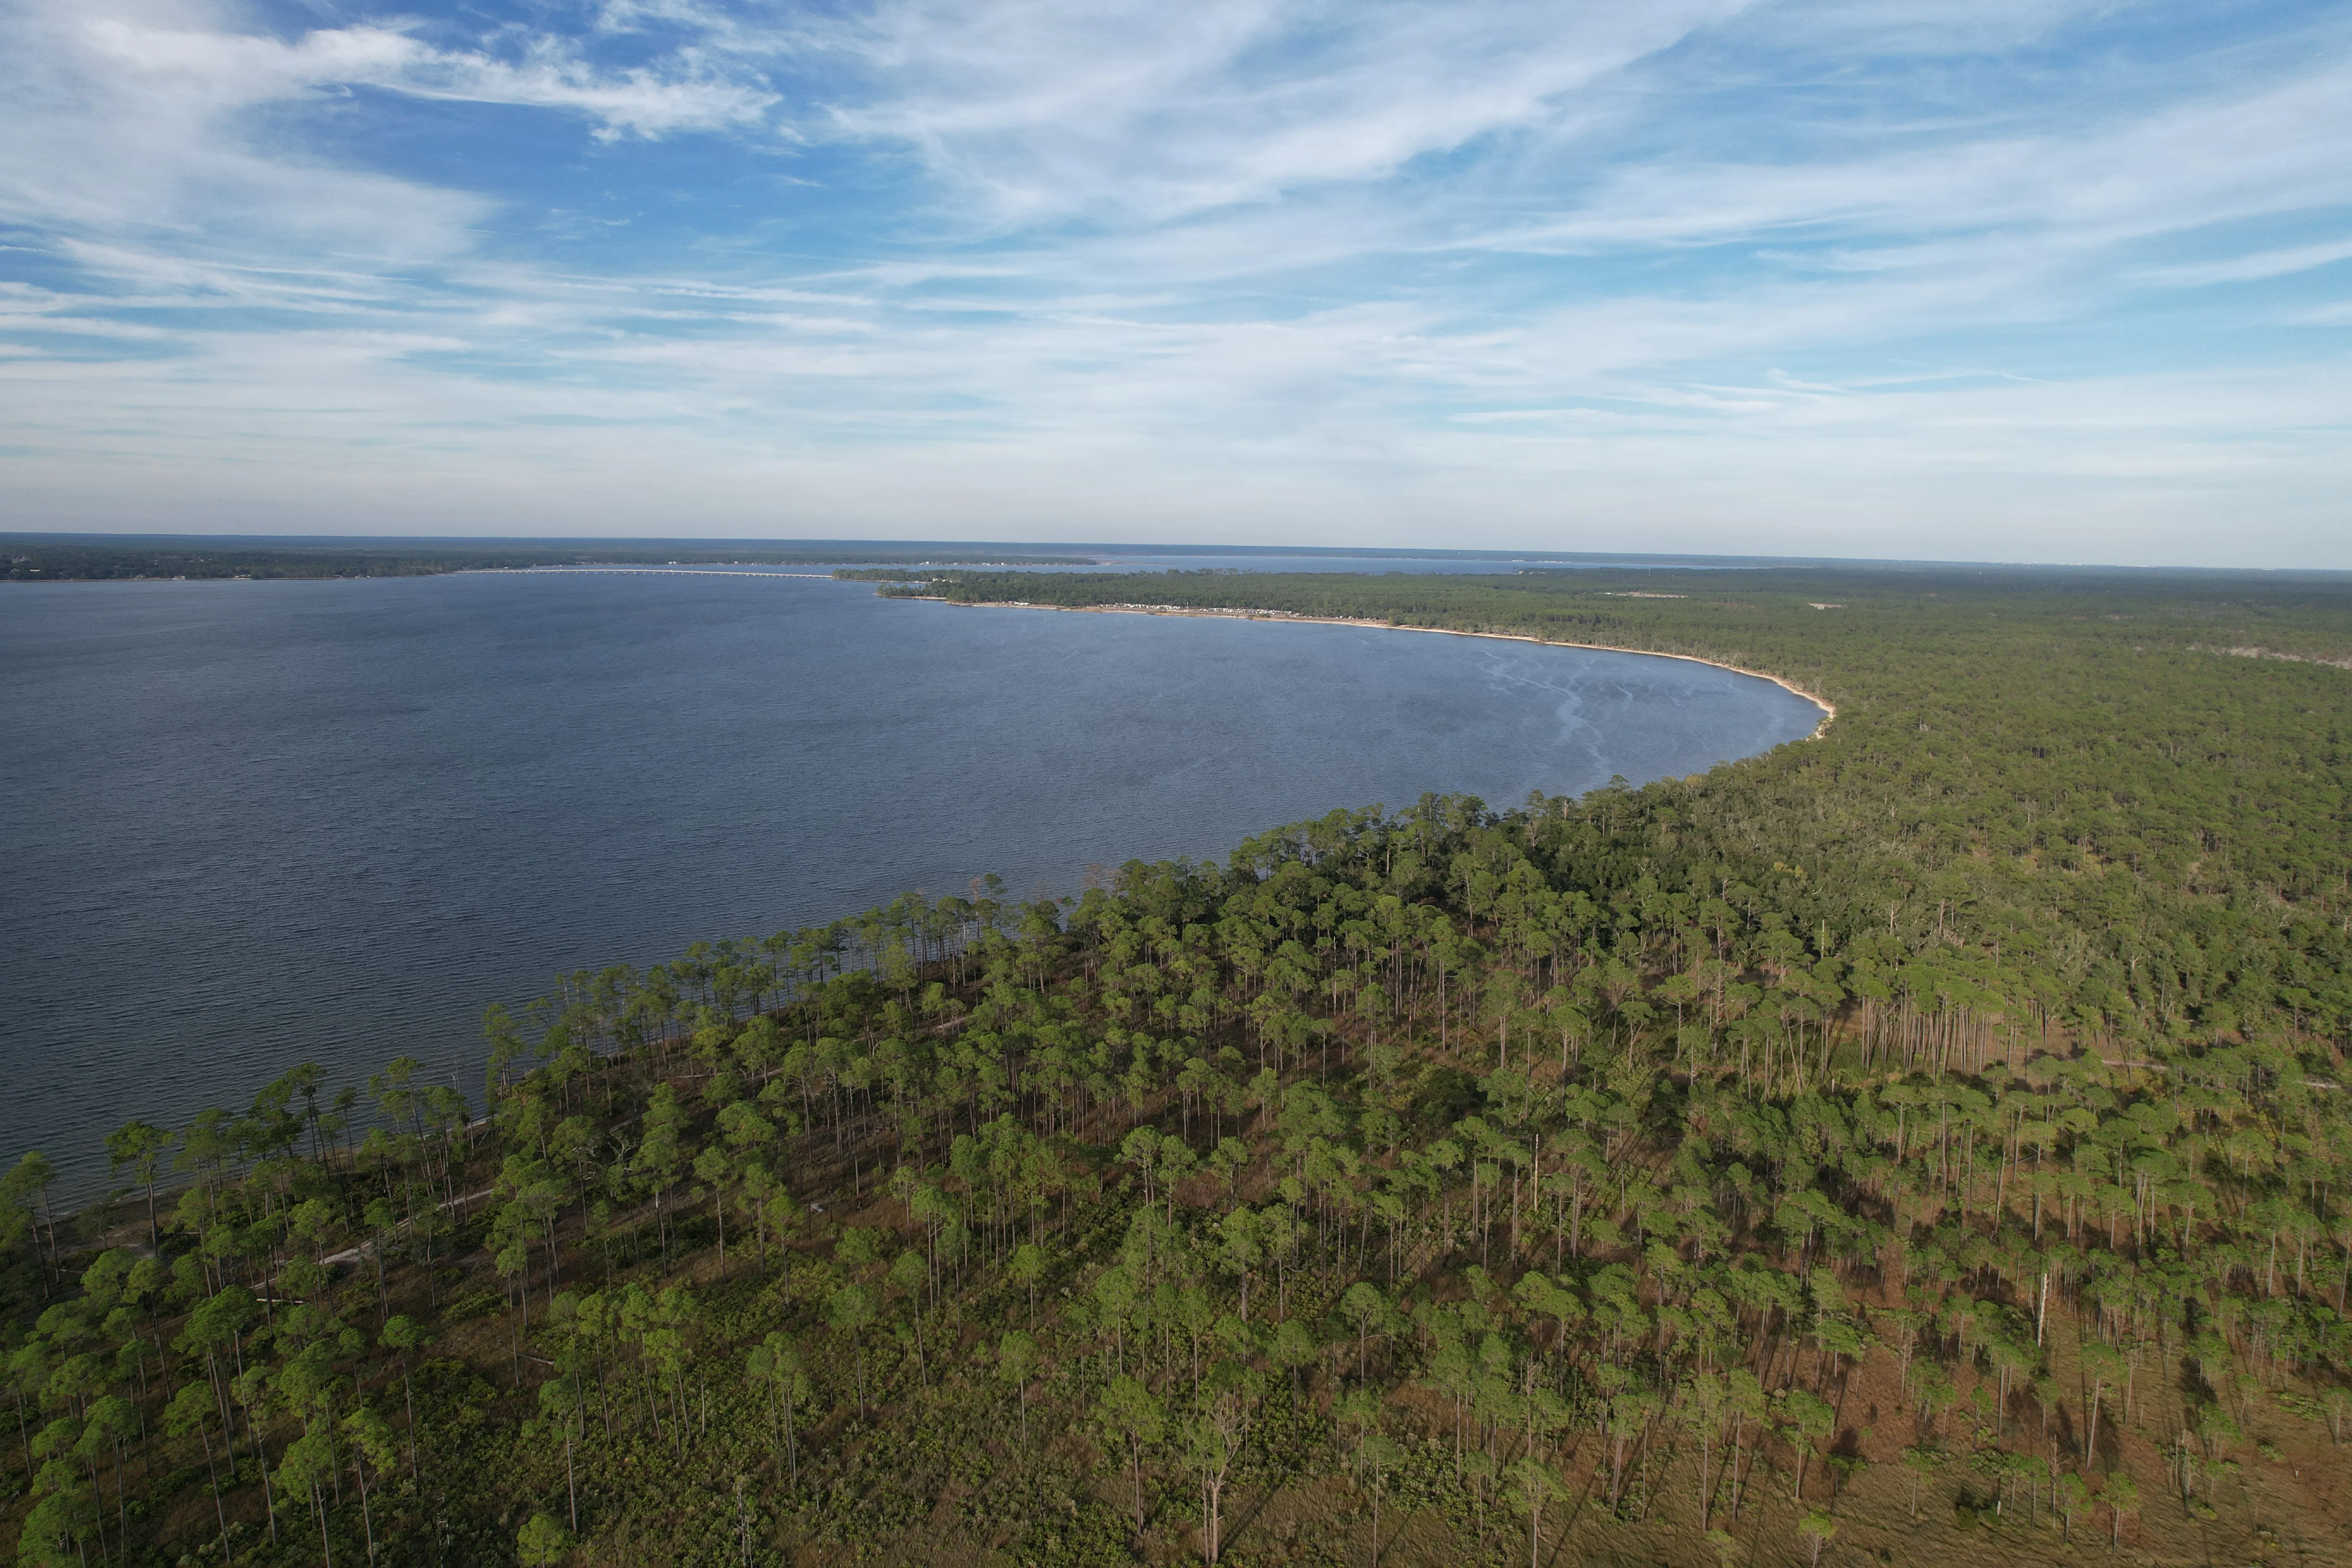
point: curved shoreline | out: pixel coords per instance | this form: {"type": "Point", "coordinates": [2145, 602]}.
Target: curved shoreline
{"type": "Point", "coordinates": [1828, 709]}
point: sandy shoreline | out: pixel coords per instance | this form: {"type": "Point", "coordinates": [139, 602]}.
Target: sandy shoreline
{"type": "Point", "coordinates": [1828, 709]}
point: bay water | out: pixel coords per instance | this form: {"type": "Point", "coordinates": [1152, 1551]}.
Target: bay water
{"type": "Point", "coordinates": [249, 824]}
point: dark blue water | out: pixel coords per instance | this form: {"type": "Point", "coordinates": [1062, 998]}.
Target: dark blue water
{"type": "Point", "coordinates": [254, 824]}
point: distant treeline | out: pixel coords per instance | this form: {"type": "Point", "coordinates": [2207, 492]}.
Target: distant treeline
{"type": "Point", "coordinates": [27, 560]}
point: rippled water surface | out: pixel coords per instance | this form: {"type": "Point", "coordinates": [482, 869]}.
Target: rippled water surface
{"type": "Point", "coordinates": [252, 823]}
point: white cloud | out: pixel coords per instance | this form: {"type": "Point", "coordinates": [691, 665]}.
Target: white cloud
{"type": "Point", "coordinates": [233, 70]}
{"type": "Point", "coordinates": [2252, 267]}
{"type": "Point", "coordinates": [2278, 149]}
{"type": "Point", "coordinates": [99, 148]}
{"type": "Point", "coordinates": [139, 117]}
{"type": "Point", "coordinates": [1063, 106]}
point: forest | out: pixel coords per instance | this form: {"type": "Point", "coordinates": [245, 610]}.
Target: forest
{"type": "Point", "coordinates": [1923, 1142]}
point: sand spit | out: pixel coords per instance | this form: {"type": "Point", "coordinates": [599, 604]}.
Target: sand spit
{"type": "Point", "coordinates": [1828, 709]}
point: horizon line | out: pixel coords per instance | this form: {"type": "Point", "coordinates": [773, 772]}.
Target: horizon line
{"type": "Point", "coordinates": [1615, 560]}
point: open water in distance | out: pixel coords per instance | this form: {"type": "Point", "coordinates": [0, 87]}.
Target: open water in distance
{"type": "Point", "coordinates": [1361, 566]}
{"type": "Point", "coordinates": [254, 824]}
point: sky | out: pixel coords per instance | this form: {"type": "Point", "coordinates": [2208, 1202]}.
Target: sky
{"type": "Point", "coordinates": [1985, 279]}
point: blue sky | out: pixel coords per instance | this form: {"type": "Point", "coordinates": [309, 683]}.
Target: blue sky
{"type": "Point", "coordinates": [1990, 280]}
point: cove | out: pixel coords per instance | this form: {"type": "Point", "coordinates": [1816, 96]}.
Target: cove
{"type": "Point", "coordinates": [254, 824]}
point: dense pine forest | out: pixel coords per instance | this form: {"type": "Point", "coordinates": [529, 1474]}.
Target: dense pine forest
{"type": "Point", "coordinates": [1925, 1142]}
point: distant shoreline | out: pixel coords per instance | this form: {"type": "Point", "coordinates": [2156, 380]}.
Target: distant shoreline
{"type": "Point", "coordinates": [1828, 708]}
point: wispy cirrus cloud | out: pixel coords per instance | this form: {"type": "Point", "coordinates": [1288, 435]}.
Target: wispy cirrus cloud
{"type": "Point", "coordinates": [2250, 268]}
{"type": "Point", "coordinates": [226, 71]}
{"type": "Point", "coordinates": [1067, 108]}
{"type": "Point", "coordinates": [207, 54]}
